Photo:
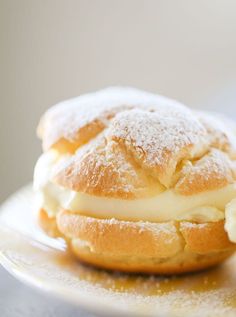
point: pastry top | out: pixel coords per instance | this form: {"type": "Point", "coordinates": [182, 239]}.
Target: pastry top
{"type": "Point", "coordinates": [125, 143]}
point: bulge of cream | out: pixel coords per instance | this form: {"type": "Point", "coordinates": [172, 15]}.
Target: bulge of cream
{"type": "Point", "coordinates": [230, 220]}
{"type": "Point", "coordinates": [49, 196]}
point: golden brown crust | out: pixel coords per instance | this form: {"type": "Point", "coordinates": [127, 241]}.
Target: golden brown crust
{"type": "Point", "coordinates": [124, 143]}
{"type": "Point", "coordinates": [205, 238]}
{"type": "Point", "coordinates": [105, 170]}
{"type": "Point", "coordinates": [163, 248]}
{"type": "Point", "coordinates": [122, 238]}
{"type": "Point", "coordinates": [73, 123]}
{"type": "Point", "coordinates": [213, 171]}
{"type": "Point", "coordinates": [119, 176]}
{"type": "Point", "coordinates": [182, 263]}
{"type": "Point", "coordinates": [48, 224]}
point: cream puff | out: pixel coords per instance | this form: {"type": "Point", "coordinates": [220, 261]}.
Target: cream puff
{"type": "Point", "coordinates": [138, 182]}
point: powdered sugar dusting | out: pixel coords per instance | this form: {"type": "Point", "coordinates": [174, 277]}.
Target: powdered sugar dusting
{"type": "Point", "coordinates": [221, 131]}
{"type": "Point", "coordinates": [157, 133]}
{"type": "Point", "coordinates": [167, 228]}
{"type": "Point", "coordinates": [192, 225]}
{"type": "Point", "coordinates": [160, 139]}
{"type": "Point", "coordinates": [156, 229]}
{"type": "Point", "coordinates": [214, 170]}
{"type": "Point", "coordinates": [67, 118]}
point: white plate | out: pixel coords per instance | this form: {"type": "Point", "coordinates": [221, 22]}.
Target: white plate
{"type": "Point", "coordinates": [38, 260]}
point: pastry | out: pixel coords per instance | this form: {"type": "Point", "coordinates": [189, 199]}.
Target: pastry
{"type": "Point", "coordinates": [138, 182]}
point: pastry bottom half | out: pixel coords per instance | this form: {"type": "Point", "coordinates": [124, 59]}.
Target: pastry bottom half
{"type": "Point", "coordinates": [141, 247]}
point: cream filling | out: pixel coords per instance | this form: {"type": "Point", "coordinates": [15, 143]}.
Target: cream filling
{"type": "Point", "coordinates": [166, 206]}
{"type": "Point", "coordinates": [230, 220]}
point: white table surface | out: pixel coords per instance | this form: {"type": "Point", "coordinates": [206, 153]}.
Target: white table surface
{"type": "Point", "coordinates": [19, 300]}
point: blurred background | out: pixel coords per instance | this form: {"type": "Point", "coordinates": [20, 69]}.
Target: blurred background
{"type": "Point", "coordinates": [57, 49]}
